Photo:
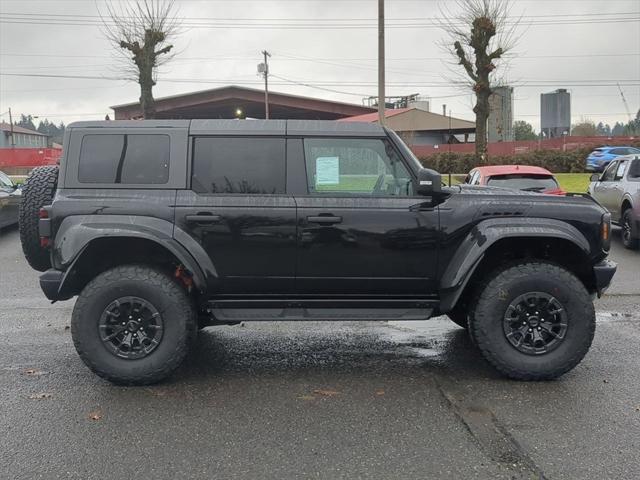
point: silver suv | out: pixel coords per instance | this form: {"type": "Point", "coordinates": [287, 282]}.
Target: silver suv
{"type": "Point", "coordinates": [618, 189]}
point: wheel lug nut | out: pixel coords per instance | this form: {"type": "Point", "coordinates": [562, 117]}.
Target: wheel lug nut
{"type": "Point", "coordinates": [140, 328]}
{"type": "Point", "coordinates": [531, 329]}
{"type": "Point", "coordinates": [122, 323]}
{"type": "Point", "coordinates": [538, 328]}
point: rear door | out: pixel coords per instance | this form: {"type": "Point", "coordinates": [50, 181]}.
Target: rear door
{"type": "Point", "coordinates": [617, 188]}
{"type": "Point", "coordinates": [603, 190]}
{"type": "Point", "coordinates": [361, 230]}
{"type": "Point", "coordinates": [238, 211]}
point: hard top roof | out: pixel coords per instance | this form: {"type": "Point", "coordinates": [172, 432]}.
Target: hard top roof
{"type": "Point", "coordinates": [248, 127]}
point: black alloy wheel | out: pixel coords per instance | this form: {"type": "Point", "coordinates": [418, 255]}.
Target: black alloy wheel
{"type": "Point", "coordinates": [628, 239]}
{"type": "Point", "coordinates": [131, 328]}
{"type": "Point", "coordinates": [535, 323]}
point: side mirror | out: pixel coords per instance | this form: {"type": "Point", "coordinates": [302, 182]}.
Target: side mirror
{"type": "Point", "coordinates": [429, 182]}
{"type": "Point", "coordinates": [595, 177]}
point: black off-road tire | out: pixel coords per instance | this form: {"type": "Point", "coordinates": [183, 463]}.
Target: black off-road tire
{"type": "Point", "coordinates": [630, 240]}
{"type": "Point", "coordinates": [490, 306]}
{"type": "Point", "coordinates": [160, 290]}
{"type": "Point", "coordinates": [459, 316]}
{"type": "Point", "coordinates": [38, 191]}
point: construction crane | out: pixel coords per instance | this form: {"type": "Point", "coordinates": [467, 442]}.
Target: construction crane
{"type": "Point", "coordinates": [626, 105]}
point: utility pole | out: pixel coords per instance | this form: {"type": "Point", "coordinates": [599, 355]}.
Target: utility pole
{"type": "Point", "coordinates": [13, 142]}
{"type": "Point", "coordinates": [626, 105]}
{"type": "Point", "coordinates": [381, 94]}
{"type": "Point", "coordinates": [264, 69]}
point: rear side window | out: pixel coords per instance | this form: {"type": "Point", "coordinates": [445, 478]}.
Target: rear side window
{"type": "Point", "coordinates": [239, 165]}
{"type": "Point", "coordinates": [124, 159]}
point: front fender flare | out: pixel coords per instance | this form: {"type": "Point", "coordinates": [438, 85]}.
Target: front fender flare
{"type": "Point", "coordinates": [485, 234]}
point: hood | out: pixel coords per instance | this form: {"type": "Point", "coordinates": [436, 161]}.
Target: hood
{"type": "Point", "coordinates": [510, 196]}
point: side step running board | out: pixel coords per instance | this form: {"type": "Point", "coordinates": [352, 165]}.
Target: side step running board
{"type": "Point", "coordinates": [226, 314]}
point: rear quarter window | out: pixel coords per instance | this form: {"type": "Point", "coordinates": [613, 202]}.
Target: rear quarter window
{"type": "Point", "coordinates": [124, 159]}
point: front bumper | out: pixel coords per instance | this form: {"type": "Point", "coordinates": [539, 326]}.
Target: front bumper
{"type": "Point", "coordinates": [604, 272]}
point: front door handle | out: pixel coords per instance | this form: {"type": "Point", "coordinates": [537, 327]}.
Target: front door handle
{"type": "Point", "coordinates": [325, 219]}
{"type": "Point", "coordinates": [203, 218]}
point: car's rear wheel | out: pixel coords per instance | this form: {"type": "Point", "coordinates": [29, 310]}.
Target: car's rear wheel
{"type": "Point", "coordinates": [38, 191]}
{"type": "Point", "coordinates": [629, 234]}
{"type": "Point", "coordinates": [533, 321]}
{"type": "Point", "coordinates": [133, 325]}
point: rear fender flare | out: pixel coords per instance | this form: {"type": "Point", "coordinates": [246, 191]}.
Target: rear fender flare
{"type": "Point", "coordinates": [76, 233]}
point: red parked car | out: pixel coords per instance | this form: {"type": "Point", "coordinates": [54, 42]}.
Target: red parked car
{"type": "Point", "coordinates": [519, 177]}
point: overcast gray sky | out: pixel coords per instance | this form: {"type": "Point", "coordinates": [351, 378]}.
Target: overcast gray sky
{"type": "Point", "coordinates": [586, 46]}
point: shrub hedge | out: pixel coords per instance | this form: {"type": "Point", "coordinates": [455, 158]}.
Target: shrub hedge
{"type": "Point", "coordinates": [557, 162]}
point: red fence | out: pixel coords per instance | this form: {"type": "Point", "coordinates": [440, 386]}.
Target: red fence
{"type": "Point", "coordinates": [512, 148]}
{"type": "Point", "coordinates": [13, 160]}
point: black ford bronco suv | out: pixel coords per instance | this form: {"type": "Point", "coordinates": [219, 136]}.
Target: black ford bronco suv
{"type": "Point", "coordinates": [162, 227]}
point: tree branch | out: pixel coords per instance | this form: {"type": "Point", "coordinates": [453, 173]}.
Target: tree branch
{"type": "Point", "coordinates": [496, 54]}
{"type": "Point", "coordinates": [166, 49]}
{"type": "Point", "coordinates": [133, 47]}
{"type": "Point", "coordinates": [464, 61]}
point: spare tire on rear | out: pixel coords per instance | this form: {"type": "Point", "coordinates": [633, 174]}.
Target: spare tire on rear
{"type": "Point", "coordinates": [38, 191]}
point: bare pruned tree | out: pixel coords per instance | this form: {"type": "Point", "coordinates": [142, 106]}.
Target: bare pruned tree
{"type": "Point", "coordinates": [480, 33]}
{"type": "Point", "coordinates": [142, 31]}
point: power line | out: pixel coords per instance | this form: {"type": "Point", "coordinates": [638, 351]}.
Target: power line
{"type": "Point", "coordinates": [324, 19]}
{"type": "Point", "coordinates": [287, 24]}
{"type": "Point", "coordinates": [433, 84]}
{"type": "Point", "coordinates": [290, 57]}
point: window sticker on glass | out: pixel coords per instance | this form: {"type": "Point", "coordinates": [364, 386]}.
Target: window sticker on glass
{"type": "Point", "coordinates": [327, 171]}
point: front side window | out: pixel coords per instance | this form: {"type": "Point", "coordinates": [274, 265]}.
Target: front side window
{"type": "Point", "coordinates": [355, 167]}
{"type": "Point", "coordinates": [609, 173]}
{"type": "Point", "coordinates": [239, 165]}
{"type": "Point", "coordinates": [5, 181]}
{"type": "Point", "coordinates": [124, 159]}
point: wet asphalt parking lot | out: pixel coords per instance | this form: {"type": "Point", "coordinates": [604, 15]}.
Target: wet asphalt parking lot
{"type": "Point", "coordinates": [315, 400]}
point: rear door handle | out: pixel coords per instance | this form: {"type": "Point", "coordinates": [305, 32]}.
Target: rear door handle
{"type": "Point", "coordinates": [203, 218]}
{"type": "Point", "coordinates": [325, 219]}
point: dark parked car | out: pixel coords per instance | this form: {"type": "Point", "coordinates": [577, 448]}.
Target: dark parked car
{"type": "Point", "coordinates": [161, 227]}
{"type": "Point", "coordinates": [598, 160]}
{"type": "Point", "coordinates": [618, 189]}
{"type": "Point", "coordinates": [10, 196]}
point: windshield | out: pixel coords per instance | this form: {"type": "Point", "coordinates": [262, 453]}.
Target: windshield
{"type": "Point", "coordinates": [405, 150]}
{"type": "Point", "coordinates": [524, 182]}
{"type": "Point", "coordinates": [5, 181]}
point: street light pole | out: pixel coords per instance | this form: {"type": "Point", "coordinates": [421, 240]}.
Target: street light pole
{"type": "Point", "coordinates": [381, 93]}
{"type": "Point", "coordinates": [13, 142]}
{"type": "Point", "coordinates": [266, 83]}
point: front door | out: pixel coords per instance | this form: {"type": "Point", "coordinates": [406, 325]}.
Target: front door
{"type": "Point", "coordinates": [605, 189]}
{"type": "Point", "coordinates": [237, 209]}
{"type": "Point", "coordinates": [361, 231]}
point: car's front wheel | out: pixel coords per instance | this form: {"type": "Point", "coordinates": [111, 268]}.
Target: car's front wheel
{"type": "Point", "coordinates": [630, 238]}
{"type": "Point", "coordinates": [133, 325]}
{"type": "Point", "coordinates": [533, 321]}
